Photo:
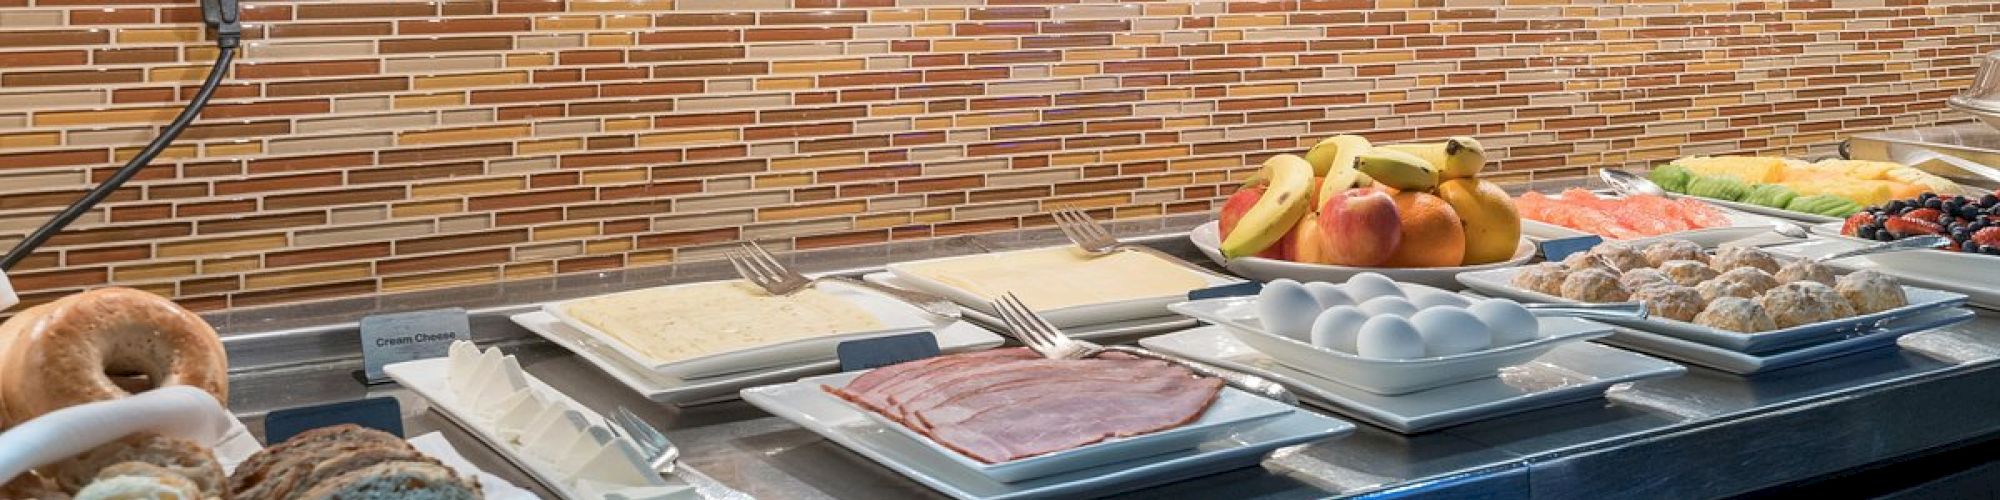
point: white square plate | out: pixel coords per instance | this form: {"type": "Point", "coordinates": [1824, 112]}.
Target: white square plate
{"type": "Point", "coordinates": [1746, 364]}
{"type": "Point", "coordinates": [1106, 312]}
{"type": "Point", "coordinates": [805, 404]}
{"type": "Point", "coordinates": [1570, 372]}
{"type": "Point", "coordinates": [895, 316]}
{"type": "Point", "coordinates": [1231, 410]}
{"type": "Point", "coordinates": [956, 337]}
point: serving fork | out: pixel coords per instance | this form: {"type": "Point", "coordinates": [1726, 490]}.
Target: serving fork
{"type": "Point", "coordinates": [1052, 343]}
{"type": "Point", "coordinates": [761, 268]}
{"type": "Point", "coordinates": [660, 453]}
{"type": "Point", "coordinates": [1095, 240]}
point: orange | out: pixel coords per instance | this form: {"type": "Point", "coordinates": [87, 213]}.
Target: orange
{"type": "Point", "coordinates": [1432, 232]}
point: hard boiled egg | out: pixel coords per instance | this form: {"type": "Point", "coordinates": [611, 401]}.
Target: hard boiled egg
{"type": "Point", "coordinates": [1338, 327]}
{"type": "Point", "coordinates": [1365, 286]}
{"type": "Point", "coordinates": [1287, 309]}
{"type": "Point", "coordinates": [1329, 295]}
{"type": "Point", "coordinates": [1450, 330]}
{"type": "Point", "coordinates": [1389, 337]}
{"type": "Point", "coordinates": [1426, 298]}
{"type": "Point", "coordinates": [1511, 323]}
{"type": "Point", "coordinates": [1388, 306]}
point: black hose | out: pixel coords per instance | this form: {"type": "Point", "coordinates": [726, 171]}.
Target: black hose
{"type": "Point", "coordinates": [131, 168]}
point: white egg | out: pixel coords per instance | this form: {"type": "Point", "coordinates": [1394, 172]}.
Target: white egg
{"type": "Point", "coordinates": [1511, 323]}
{"type": "Point", "coordinates": [1329, 295]}
{"type": "Point", "coordinates": [1337, 328]}
{"type": "Point", "coordinates": [1451, 330]}
{"type": "Point", "coordinates": [1389, 337]}
{"type": "Point", "coordinates": [1365, 286]}
{"type": "Point", "coordinates": [1426, 298]}
{"type": "Point", "coordinates": [1388, 306]}
{"type": "Point", "coordinates": [1287, 309]}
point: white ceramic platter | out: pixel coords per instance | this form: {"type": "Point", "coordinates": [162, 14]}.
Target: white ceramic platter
{"type": "Point", "coordinates": [1499, 283]}
{"type": "Point", "coordinates": [1979, 292]}
{"type": "Point", "coordinates": [1570, 372]}
{"type": "Point", "coordinates": [1982, 271]}
{"type": "Point", "coordinates": [1089, 314]}
{"type": "Point", "coordinates": [1207, 237]}
{"type": "Point", "coordinates": [955, 337]}
{"type": "Point", "coordinates": [1747, 364]}
{"type": "Point", "coordinates": [805, 404]}
{"type": "Point", "coordinates": [895, 317]}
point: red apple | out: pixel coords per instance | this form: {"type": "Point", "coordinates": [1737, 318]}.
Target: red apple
{"type": "Point", "coordinates": [1360, 227]}
{"type": "Point", "coordinates": [1239, 204]}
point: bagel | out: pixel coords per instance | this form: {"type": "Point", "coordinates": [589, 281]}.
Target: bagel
{"type": "Point", "coordinates": [67, 352]}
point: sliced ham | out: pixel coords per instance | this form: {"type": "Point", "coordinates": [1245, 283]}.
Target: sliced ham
{"type": "Point", "coordinates": [1007, 404]}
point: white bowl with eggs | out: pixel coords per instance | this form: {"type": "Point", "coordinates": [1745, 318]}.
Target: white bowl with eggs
{"type": "Point", "coordinates": [1208, 238]}
{"type": "Point", "coordinates": [1425, 339]}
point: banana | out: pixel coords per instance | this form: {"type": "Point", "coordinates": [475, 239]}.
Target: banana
{"type": "Point", "coordinates": [1333, 160]}
{"type": "Point", "coordinates": [1397, 169]}
{"type": "Point", "coordinates": [1285, 200]}
{"type": "Point", "coordinates": [1455, 158]}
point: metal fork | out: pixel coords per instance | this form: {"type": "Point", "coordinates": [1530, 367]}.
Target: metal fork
{"type": "Point", "coordinates": [763, 269]}
{"type": "Point", "coordinates": [661, 454]}
{"type": "Point", "coordinates": [1094, 239]}
{"type": "Point", "coordinates": [1052, 343]}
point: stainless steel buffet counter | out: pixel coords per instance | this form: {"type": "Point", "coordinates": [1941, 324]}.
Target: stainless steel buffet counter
{"type": "Point", "coordinates": [1703, 434]}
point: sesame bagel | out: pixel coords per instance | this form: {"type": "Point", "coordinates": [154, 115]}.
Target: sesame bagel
{"type": "Point", "coordinates": [67, 352]}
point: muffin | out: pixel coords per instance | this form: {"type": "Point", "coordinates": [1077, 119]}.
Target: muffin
{"type": "Point", "coordinates": [1671, 301]}
{"type": "Point", "coordinates": [1643, 277]}
{"type": "Point", "coordinates": [1687, 272]}
{"type": "Point", "coordinates": [1806, 270]}
{"type": "Point", "coordinates": [1803, 303]}
{"type": "Point", "coordinates": [1620, 256]}
{"type": "Point", "coordinates": [1871, 292]}
{"type": "Point", "coordinates": [1730, 258]}
{"type": "Point", "coordinates": [1716, 289]}
{"type": "Point", "coordinates": [1584, 260]}
{"type": "Point", "coordinates": [1593, 285]}
{"type": "Point", "coordinates": [1753, 278]}
{"type": "Point", "coordinates": [1737, 315]}
{"type": "Point", "coordinates": [1662, 251]}
{"type": "Point", "coordinates": [1546, 277]}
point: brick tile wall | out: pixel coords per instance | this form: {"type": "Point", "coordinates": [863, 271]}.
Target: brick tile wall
{"type": "Point", "coordinates": [364, 146]}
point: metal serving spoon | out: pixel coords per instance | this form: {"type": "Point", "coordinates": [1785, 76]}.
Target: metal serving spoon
{"type": "Point", "coordinates": [1627, 183]}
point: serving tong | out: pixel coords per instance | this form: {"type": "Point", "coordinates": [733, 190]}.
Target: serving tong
{"type": "Point", "coordinates": [1044, 338]}
{"type": "Point", "coordinates": [761, 268]}
{"type": "Point", "coordinates": [662, 455]}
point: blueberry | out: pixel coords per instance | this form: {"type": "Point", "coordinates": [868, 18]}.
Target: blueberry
{"type": "Point", "coordinates": [1989, 200]}
{"type": "Point", "coordinates": [1989, 250]}
{"type": "Point", "coordinates": [1885, 236]}
{"type": "Point", "coordinates": [1934, 203]}
{"type": "Point", "coordinates": [1961, 234]}
{"type": "Point", "coordinates": [1976, 225]}
{"type": "Point", "coordinates": [1949, 206]}
{"type": "Point", "coordinates": [1896, 207]}
{"type": "Point", "coordinates": [1866, 232]}
{"type": "Point", "coordinates": [1946, 219]}
{"type": "Point", "coordinates": [1927, 195]}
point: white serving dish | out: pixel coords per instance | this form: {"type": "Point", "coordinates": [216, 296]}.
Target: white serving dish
{"type": "Point", "coordinates": [615, 466]}
{"type": "Point", "coordinates": [1768, 211]}
{"type": "Point", "coordinates": [1107, 312]}
{"type": "Point", "coordinates": [1742, 225]}
{"type": "Point", "coordinates": [1980, 293]}
{"type": "Point", "coordinates": [895, 316]}
{"type": "Point", "coordinates": [1232, 410]}
{"type": "Point", "coordinates": [1982, 270]}
{"type": "Point", "coordinates": [1207, 237]}
{"type": "Point", "coordinates": [1569, 373]}
{"type": "Point", "coordinates": [805, 404]}
{"type": "Point", "coordinates": [956, 337]}
{"type": "Point", "coordinates": [1748, 364]}
{"type": "Point", "coordinates": [1383, 376]}
{"type": "Point", "coordinates": [1499, 283]}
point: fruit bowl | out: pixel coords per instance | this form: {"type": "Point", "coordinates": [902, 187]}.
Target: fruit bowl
{"type": "Point", "coordinates": [1208, 238]}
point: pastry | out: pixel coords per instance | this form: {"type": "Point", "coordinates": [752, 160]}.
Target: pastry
{"type": "Point", "coordinates": [1806, 270]}
{"type": "Point", "coordinates": [1735, 314]}
{"type": "Point", "coordinates": [1716, 289]}
{"type": "Point", "coordinates": [1666, 250]}
{"type": "Point", "coordinates": [1546, 277]}
{"type": "Point", "coordinates": [412, 480]}
{"type": "Point", "coordinates": [1643, 277]}
{"type": "Point", "coordinates": [331, 460]}
{"type": "Point", "coordinates": [1619, 256]}
{"type": "Point", "coordinates": [59, 354]}
{"type": "Point", "coordinates": [1733, 257]}
{"type": "Point", "coordinates": [1687, 272]}
{"type": "Point", "coordinates": [1803, 303]}
{"type": "Point", "coordinates": [255, 469]}
{"type": "Point", "coordinates": [1670, 301]}
{"type": "Point", "coordinates": [140, 481]}
{"type": "Point", "coordinates": [1584, 260]}
{"type": "Point", "coordinates": [1752, 278]}
{"type": "Point", "coordinates": [1593, 285]}
{"type": "Point", "coordinates": [1871, 292]}
{"type": "Point", "coordinates": [184, 458]}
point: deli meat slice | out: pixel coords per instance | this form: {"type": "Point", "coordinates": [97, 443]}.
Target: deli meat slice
{"type": "Point", "coordinates": [1006, 404]}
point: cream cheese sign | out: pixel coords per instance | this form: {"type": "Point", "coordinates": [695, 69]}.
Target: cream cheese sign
{"type": "Point", "coordinates": [393, 338]}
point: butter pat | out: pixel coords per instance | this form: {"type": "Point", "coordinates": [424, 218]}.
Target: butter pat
{"type": "Point", "coordinates": [1060, 277]}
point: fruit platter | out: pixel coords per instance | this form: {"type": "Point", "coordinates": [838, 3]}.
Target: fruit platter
{"type": "Point", "coordinates": [1971, 223]}
{"type": "Point", "coordinates": [1633, 218]}
{"type": "Point", "coordinates": [1826, 191]}
{"type": "Point", "coordinates": [1740, 298]}
{"type": "Point", "coordinates": [1414, 212]}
